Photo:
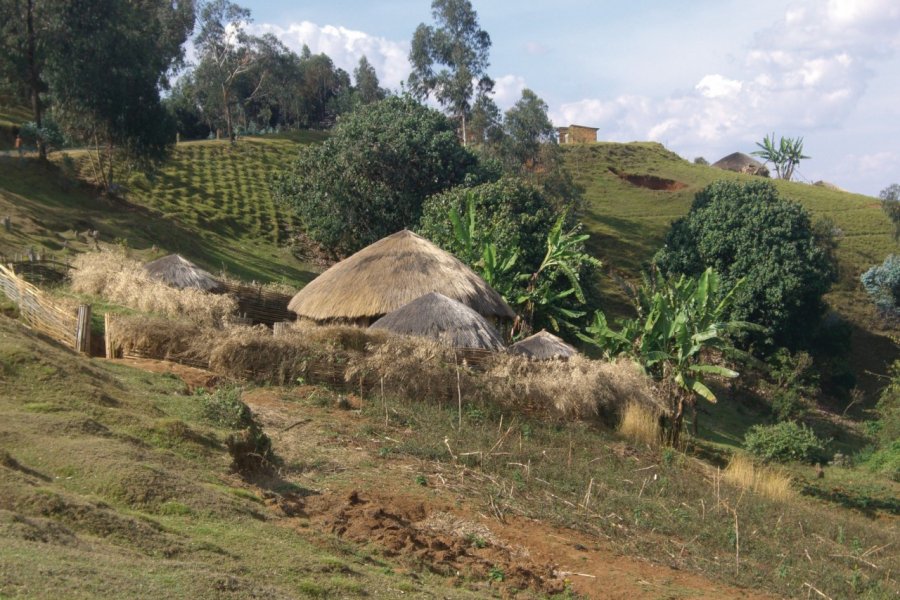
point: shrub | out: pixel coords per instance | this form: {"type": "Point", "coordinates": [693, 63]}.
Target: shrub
{"type": "Point", "coordinates": [510, 213]}
{"type": "Point", "coordinates": [882, 284]}
{"type": "Point", "coordinates": [371, 176]}
{"type": "Point", "coordinates": [890, 204]}
{"type": "Point", "coordinates": [783, 442]}
{"type": "Point", "coordinates": [747, 231]}
{"type": "Point", "coordinates": [224, 408]}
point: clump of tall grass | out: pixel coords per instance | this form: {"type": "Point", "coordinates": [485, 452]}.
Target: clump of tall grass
{"type": "Point", "coordinates": [119, 279]}
{"type": "Point", "coordinates": [640, 424]}
{"type": "Point", "coordinates": [766, 481]}
{"type": "Point", "coordinates": [579, 388]}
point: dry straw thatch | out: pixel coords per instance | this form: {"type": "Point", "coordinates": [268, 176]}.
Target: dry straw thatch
{"type": "Point", "coordinates": [443, 319]}
{"type": "Point", "coordinates": [389, 274]}
{"type": "Point", "coordinates": [119, 279]}
{"type": "Point", "coordinates": [741, 163]}
{"type": "Point", "coordinates": [543, 346]}
{"type": "Point", "coordinates": [412, 369]}
{"type": "Point", "coordinates": [579, 388]}
{"type": "Point", "coordinates": [178, 272]}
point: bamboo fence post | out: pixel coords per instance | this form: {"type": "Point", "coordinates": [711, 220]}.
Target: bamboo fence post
{"type": "Point", "coordinates": [83, 330]}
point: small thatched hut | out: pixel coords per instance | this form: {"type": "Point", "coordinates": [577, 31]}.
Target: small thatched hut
{"type": "Point", "coordinates": [443, 319]}
{"type": "Point", "coordinates": [543, 346]}
{"type": "Point", "coordinates": [178, 272]}
{"type": "Point", "coordinates": [741, 163]}
{"type": "Point", "coordinates": [389, 274]}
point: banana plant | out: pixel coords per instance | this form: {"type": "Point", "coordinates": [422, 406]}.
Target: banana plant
{"type": "Point", "coordinates": [680, 321]}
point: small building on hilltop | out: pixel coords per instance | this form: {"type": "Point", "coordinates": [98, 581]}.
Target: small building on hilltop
{"type": "Point", "coordinates": [389, 274]}
{"type": "Point", "coordinates": [543, 346]}
{"type": "Point", "coordinates": [577, 134]}
{"type": "Point", "coordinates": [447, 321]}
{"type": "Point", "coordinates": [178, 272]}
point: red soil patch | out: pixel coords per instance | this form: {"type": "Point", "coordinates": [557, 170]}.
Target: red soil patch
{"type": "Point", "coordinates": [652, 182]}
{"type": "Point", "coordinates": [194, 378]}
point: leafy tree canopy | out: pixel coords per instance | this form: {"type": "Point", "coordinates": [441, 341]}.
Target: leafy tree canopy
{"type": "Point", "coordinates": [449, 58]}
{"type": "Point", "coordinates": [785, 156]}
{"type": "Point", "coordinates": [370, 178]}
{"type": "Point", "coordinates": [746, 231]}
{"type": "Point", "coordinates": [890, 203]}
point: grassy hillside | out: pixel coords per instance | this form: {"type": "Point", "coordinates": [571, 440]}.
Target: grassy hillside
{"type": "Point", "coordinates": [209, 201]}
{"type": "Point", "coordinates": [634, 191]}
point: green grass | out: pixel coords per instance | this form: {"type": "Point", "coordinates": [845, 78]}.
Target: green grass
{"type": "Point", "coordinates": [111, 485]}
{"type": "Point", "coordinates": [209, 202]}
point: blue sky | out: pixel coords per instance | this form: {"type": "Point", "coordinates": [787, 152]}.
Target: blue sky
{"type": "Point", "coordinates": [705, 78]}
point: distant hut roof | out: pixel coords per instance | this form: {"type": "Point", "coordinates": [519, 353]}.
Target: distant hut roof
{"type": "Point", "coordinates": [389, 274]}
{"type": "Point", "coordinates": [741, 163]}
{"type": "Point", "coordinates": [441, 318]}
{"type": "Point", "coordinates": [543, 346]}
{"type": "Point", "coordinates": [178, 272]}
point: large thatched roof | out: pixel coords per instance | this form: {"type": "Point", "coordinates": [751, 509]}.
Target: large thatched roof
{"type": "Point", "coordinates": [741, 163]}
{"type": "Point", "coordinates": [441, 318]}
{"type": "Point", "coordinates": [181, 273]}
{"type": "Point", "coordinates": [543, 346]}
{"type": "Point", "coordinates": [389, 274]}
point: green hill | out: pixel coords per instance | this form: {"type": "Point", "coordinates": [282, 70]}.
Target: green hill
{"type": "Point", "coordinates": [634, 191]}
{"type": "Point", "coordinates": [209, 201]}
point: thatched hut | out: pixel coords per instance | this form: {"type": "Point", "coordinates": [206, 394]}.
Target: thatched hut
{"type": "Point", "coordinates": [178, 272]}
{"type": "Point", "coordinates": [443, 319]}
{"type": "Point", "coordinates": [543, 346]}
{"type": "Point", "coordinates": [389, 274]}
{"type": "Point", "coordinates": [741, 163]}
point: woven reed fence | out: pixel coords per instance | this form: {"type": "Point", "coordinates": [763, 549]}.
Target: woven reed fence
{"type": "Point", "coordinates": [41, 313]}
{"type": "Point", "coordinates": [259, 306]}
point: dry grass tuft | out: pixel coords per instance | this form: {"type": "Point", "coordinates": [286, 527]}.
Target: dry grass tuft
{"type": "Point", "coordinates": [114, 276]}
{"type": "Point", "coordinates": [166, 339]}
{"type": "Point", "coordinates": [579, 388]}
{"type": "Point", "coordinates": [640, 424]}
{"type": "Point", "coordinates": [411, 368]}
{"type": "Point", "coordinates": [766, 481]}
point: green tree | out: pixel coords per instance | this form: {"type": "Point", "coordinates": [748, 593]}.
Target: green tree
{"type": "Point", "coordinates": [882, 284]}
{"type": "Point", "coordinates": [785, 156]}
{"type": "Point", "coordinates": [459, 48]}
{"type": "Point", "coordinates": [225, 51]}
{"type": "Point", "coordinates": [528, 130]}
{"type": "Point", "coordinates": [371, 176]}
{"type": "Point", "coordinates": [367, 87]}
{"type": "Point", "coordinates": [25, 27]}
{"type": "Point", "coordinates": [890, 204]}
{"type": "Point", "coordinates": [111, 100]}
{"type": "Point", "coordinates": [747, 231]}
{"type": "Point", "coordinates": [680, 320]}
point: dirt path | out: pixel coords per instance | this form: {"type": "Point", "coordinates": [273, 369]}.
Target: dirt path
{"type": "Point", "coordinates": [435, 528]}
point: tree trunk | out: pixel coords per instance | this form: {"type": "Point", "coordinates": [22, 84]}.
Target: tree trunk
{"type": "Point", "coordinates": [465, 135]}
{"type": "Point", "coordinates": [227, 110]}
{"type": "Point", "coordinates": [34, 80]}
{"type": "Point", "coordinates": [677, 421]}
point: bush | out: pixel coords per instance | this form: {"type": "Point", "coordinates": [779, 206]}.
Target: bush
{"type": "Point", "coordinates": [783, 442]}
{"type": "Point", "coordinates": [882, 283]}
{"type": "Point", "coordinates": [371, 176]}
{"type": "Point", "coordinates": [510, 213]}
{"type": "Point", "coordinates": [746, 230]}
{"type": "Point", "coordinates": [224, 408]}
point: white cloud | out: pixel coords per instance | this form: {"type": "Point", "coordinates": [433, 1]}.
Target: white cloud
{"type": "Point", "coordinates": [508, 90]}
{"type": "Point", "coordinates": [345, 47]}
{"type": "Point", "coordinates": [803, 74]}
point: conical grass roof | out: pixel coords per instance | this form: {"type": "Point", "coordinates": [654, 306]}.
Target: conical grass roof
{"type": "Point", "coordinates": [443, 319]}
{"type": "Point", "coordinates": [741, 163]}
{"type": "Point", "coordinates": [543, 346]}
{"type": "Point", "coordinates": [178, 272]}
{"type": "Point", "coordinates": [389, 274]}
